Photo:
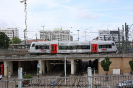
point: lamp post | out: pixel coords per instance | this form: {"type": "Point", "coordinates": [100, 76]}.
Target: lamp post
{"type": "Point", "coordinates": [25, 31]}
{"type": "Point", "coordinates": [43, 31]}
{"type": "Point", "coordinates": [78, 35]}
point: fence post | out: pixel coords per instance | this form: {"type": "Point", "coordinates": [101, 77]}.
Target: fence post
{"type": "Point", "coordinates": [20, 71]}
{"type": "Point", "coordinates": [90, 77]}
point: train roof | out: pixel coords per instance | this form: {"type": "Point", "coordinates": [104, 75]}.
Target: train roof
{"type": "Point", "coordinates": [61, 42]}
{"type": "Point", "coordinates": [81, 42]}
{"type": "Point", "coordinates": [100, 41]}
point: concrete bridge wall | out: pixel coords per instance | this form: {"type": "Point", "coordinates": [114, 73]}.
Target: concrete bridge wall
{"type": "Point", "coordinates": [121, 63]}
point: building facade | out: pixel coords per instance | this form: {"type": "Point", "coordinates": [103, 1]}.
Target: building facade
{"type": "Point", "coordinates": [109, 35]}
{"type": "Point", "coordinates": [56, 35]}
{"type": "Point", "coordinates": [10, 32]}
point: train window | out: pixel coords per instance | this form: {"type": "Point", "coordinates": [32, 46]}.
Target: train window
{"type": "Point", "coordinates": [33, 45]}
{"type": "Point", "coordinates": [37, 47]}
{"type": "Point", "coordinates": [105, 46]}
{"type": "Point", "coordinates": [69, 47]}
{"type": "Point", "coordinates": [52, 48]}
{"type": "Point", "coordinates": [41, 47]}
{"type": "Point", "coordinates": [92, 47]}
{"type": "Point", "coordinates": [55, 48]}
{"type": "Point", "coordinates": [60, 47]}
{"type": "Point", "coordinates": [44, 47]}
{"type": "Point", "coordinates": [85, 47]}
{"type": "Point", "coordinates": [74, 47]}
{"type": "Point", "coordinates": [63, 47]}
{"type": "Point", "coordinates": [79, 47]}
{"type": "Point", "coordinates": [95, 47]}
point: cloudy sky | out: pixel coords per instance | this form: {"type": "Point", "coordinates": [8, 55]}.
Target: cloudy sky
{"type": "Point", "coordinates": [82, 15]}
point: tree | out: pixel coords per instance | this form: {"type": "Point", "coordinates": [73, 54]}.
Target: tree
{"type": "Point", "coordinates": [105, 64]}
{"type": "Point", "coordinates": [131, 64]}
{"type": "Point", "coordinates": [15, 40]}
{"type": "Point", "coordinates": [4, 40]}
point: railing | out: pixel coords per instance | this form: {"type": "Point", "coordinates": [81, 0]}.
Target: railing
{"type": "Point", "coordinates": [110, 81]}
{"type": "Point", "coordinates": [61, 56]}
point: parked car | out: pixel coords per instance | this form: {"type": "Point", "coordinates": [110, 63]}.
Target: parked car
{"type": "Point", "coordinates": [125, 84]}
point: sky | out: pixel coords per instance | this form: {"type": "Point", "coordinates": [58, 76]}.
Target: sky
{"type": "Point", "coordinates": [83, 15]}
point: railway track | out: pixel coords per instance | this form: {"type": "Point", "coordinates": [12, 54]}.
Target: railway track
{"type": "Point", "coordinates": [59, 82]}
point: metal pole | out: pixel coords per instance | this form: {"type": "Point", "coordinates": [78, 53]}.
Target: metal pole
{"type": "Point", "coordinates": [123, 44]}
{"type": "Point", "coordinates": [25, 10]}
{"type": "Point", "coordinates": [126, 38]}
{"type": "Point", "coordinates": [85, 35]}
{"type": "Point", "coordinates": [78, 35]}
{"type": "Point", "coordinates": [89, 78]}
{"type": "Point", "coordinates": [7, 76]}
{"type": "Point", "coordinates": [43, 31]}
{"type": "Point", "coordinates": [119, 37]}
{"type": "Point", "coordinates": [131, 41]}
{"type": "Point", "coordinates": [69, 36]}
{"type": "Point", "coordinates": [13, 39]}
{"type": "Point", "coordinates": [65, 68]}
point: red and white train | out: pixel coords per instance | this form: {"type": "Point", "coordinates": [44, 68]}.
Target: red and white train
{"type": "Point", "coordinates": [95, 46]}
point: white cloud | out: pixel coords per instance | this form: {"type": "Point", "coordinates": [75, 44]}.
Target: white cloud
{"type": "Point", "coordinates": [3, 23]}
{"type": "Point", "coordinates": [85, 14]}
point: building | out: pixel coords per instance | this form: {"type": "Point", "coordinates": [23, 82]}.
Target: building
{"type": "Point", "coordinates": [56, 35]}
{"type": "Point", "coordinates": [108, 35]}
{"type": "Point", "coordinates": [10, 32]}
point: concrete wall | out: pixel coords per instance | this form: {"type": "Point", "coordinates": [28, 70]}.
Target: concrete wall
{"type": "Point", "coordinates": [8, 66]}
{"type": "Point", "coordinates": [117, 63]}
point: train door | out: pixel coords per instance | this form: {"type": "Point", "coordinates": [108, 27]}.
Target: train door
{"type": "Point", "coordinates": [94, 48]}
{"type": "Point", "coordinates": [2, 69]}
{"type": "Point", "coordinates": [53, 48]}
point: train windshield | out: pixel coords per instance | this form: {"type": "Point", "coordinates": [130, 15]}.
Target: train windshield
{"type": "Point", "coordinates": [113, 44]}
{"type": "Point", "coordinates": [33, 45]}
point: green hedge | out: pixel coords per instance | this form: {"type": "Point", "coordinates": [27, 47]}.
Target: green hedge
{"type": "Point", "coordinates": [28, 76]}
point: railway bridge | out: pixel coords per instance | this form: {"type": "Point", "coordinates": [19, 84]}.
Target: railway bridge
{"type": "Point", "coordinates": [47, 62]}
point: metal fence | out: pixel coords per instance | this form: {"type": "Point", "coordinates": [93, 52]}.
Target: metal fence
{"type": "Point", "coordinates": [110, 81]}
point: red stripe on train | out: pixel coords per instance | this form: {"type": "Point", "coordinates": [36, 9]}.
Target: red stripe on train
{"type": "Point", "coordinates": [41, 50]}
{"type": "Point", "coordinates": [103, 49]}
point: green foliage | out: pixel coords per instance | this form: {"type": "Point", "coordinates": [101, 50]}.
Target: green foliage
{"type": "Point", "coordinates": [131, 64]}
{"type": "Point", "coordinates": [28, 76]}
{"type": "Point", "coordinates": [105, 64]}
{"type": "Point", "coordinates": [15, 40]}
{"type": "Point", "coordinates": [4, 40]}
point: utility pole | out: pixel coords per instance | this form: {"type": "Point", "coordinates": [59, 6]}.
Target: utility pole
{"type": "Point", "coordinates": [119, 37]}
{"type": "Point", "coordinates": [126, 38]}
{"type": "Point", "coordinates": [85, 35]}
{"type": "Point", "coordinates": [78, 35]}
{"type": "Point", "coordinates": [126, 35]}
{"type": "Point", "coordinates": [25, 10]}
{"type": "Point", "coordinates": [43, 31]}
{"type": "Point", "coordinates": [36, 36]}
{"type": "Point", "coordinates": [123, 42]}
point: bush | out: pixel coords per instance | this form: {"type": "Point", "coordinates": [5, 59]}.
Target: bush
{"type": "Point", "coordinates": [131, 64]}
{"type": "Point", "coordinates": [28, 76]}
